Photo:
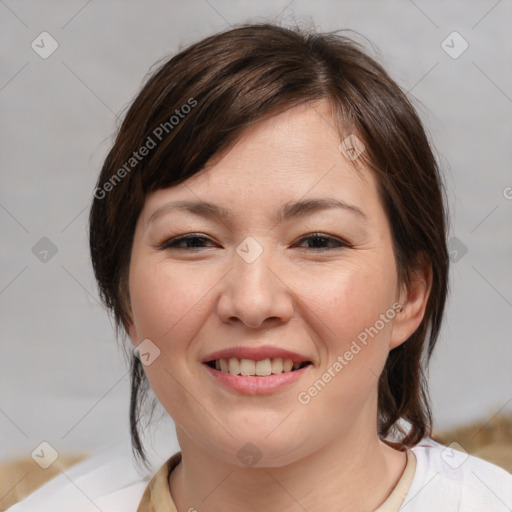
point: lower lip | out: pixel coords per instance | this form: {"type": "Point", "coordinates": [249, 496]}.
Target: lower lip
{"type": "Point", "coordinates": [254, 385]}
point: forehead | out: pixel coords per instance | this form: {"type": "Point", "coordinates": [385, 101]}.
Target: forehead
{"type": "Point", "coordinates": [304, 137]}
{"type": "Point", "coordinates": [292, 155]}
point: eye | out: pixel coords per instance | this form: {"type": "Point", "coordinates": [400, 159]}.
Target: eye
{"type": "Point", "coordinates": [196, 241]}
{"type": "Point", "coordinates": [192, 241]}
{"type": "Point", "coordinates": [319, 241]}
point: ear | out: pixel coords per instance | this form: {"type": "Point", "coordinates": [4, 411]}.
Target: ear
{"type": "Point", "coordinates": [413, 297]}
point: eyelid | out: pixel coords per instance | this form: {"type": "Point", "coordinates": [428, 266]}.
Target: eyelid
{"type": "Point", "coordinates": [171, 243]}
{"type": "Point", "coordinates": [166, 244]}
{"type": "Point", "coordinates": [325, 236]}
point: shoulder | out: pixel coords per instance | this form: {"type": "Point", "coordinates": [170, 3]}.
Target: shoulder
{"type": "Point", "coordinates": [448, 479]}
{"type": "Point", "coordinates": [108, 481]}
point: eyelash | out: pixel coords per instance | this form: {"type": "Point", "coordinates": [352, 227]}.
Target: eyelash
{"type": "Point", "coordinates": [173, 242]}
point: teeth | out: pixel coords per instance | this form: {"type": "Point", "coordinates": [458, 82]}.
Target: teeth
{"type": "Point", "coordinates": [234, 366]}
{"type": "Point", "coordinates": [263, 368]}
{"type": "Point", "coordinates": [247, 367]}
{"type": "Point", "coordinates": [260, 368]}
{"type": "Point", "coordinates": [277, 365]}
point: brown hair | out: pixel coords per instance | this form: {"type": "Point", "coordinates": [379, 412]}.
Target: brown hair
{"type": "Point", "coordinates": [244, 75]}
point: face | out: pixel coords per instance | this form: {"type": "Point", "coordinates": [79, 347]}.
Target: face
{"type": "Point", "coordinates": [266, 281]}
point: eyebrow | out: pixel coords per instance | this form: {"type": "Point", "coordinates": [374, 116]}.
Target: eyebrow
{"type": "Point", "coordinates": [288, 211]}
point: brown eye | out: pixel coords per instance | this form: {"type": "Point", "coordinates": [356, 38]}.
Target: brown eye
{"type": "Point", "coordinates": [320, 242]}
{"type": "Point", "coordinates": [192, 242]}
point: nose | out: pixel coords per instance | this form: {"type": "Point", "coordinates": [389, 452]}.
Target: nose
{"type": "Point", "coordinates": [255, 293]}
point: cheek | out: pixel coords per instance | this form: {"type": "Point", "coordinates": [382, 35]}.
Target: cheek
{"type": "Point", "coordinates": [166, 304]}
{"type": "Point", "coordinates": [353, 296]}
{"type": "Point", "coordinates": [163, 298]}
{"type": "Point", "coordinates": [346, 311]}
{"type": "Point", "coordinates": [347, 305]}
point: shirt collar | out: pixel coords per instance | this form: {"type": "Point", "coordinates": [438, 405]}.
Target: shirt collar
{"type": "Point", "coordinates": [157, 496]}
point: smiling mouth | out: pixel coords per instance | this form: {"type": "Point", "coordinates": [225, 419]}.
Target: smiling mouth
{"type": "Point", "coordinates": [260, 368]}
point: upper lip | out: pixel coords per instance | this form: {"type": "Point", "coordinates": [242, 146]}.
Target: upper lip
{"type": "Point", "coordinates": [256, 354]}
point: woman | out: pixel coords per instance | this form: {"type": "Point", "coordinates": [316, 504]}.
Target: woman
{"type": "Point", "coordinates": [269, 230]}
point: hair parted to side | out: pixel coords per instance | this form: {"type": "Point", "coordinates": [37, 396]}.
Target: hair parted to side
{"type": "Point", "coordinates": [239, 77]}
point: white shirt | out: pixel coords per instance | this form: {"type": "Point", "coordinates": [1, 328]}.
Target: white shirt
{"type": "Point", "coordinates": [445, 480]}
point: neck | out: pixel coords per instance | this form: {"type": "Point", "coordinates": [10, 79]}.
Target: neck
{"type": "Point", "coordinates": [355, 473]}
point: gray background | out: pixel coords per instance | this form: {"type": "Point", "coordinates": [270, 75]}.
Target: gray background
{"type": "Point", "coordinates": [63, 378]}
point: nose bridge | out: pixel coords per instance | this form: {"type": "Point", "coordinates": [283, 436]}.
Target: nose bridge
{"type": "Point", "coordinates": [253, 292]}
{"type": "Point", "coordinates": [252, 260]}
{"type": "Point", "coordinates": [251, 263]}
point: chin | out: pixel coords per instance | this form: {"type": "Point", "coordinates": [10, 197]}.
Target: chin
{"type": "Point", "coordinates": [256, 448]}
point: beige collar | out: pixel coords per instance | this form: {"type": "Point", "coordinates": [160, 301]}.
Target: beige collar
{"type": "Point", "coordinates": [157, 496]}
